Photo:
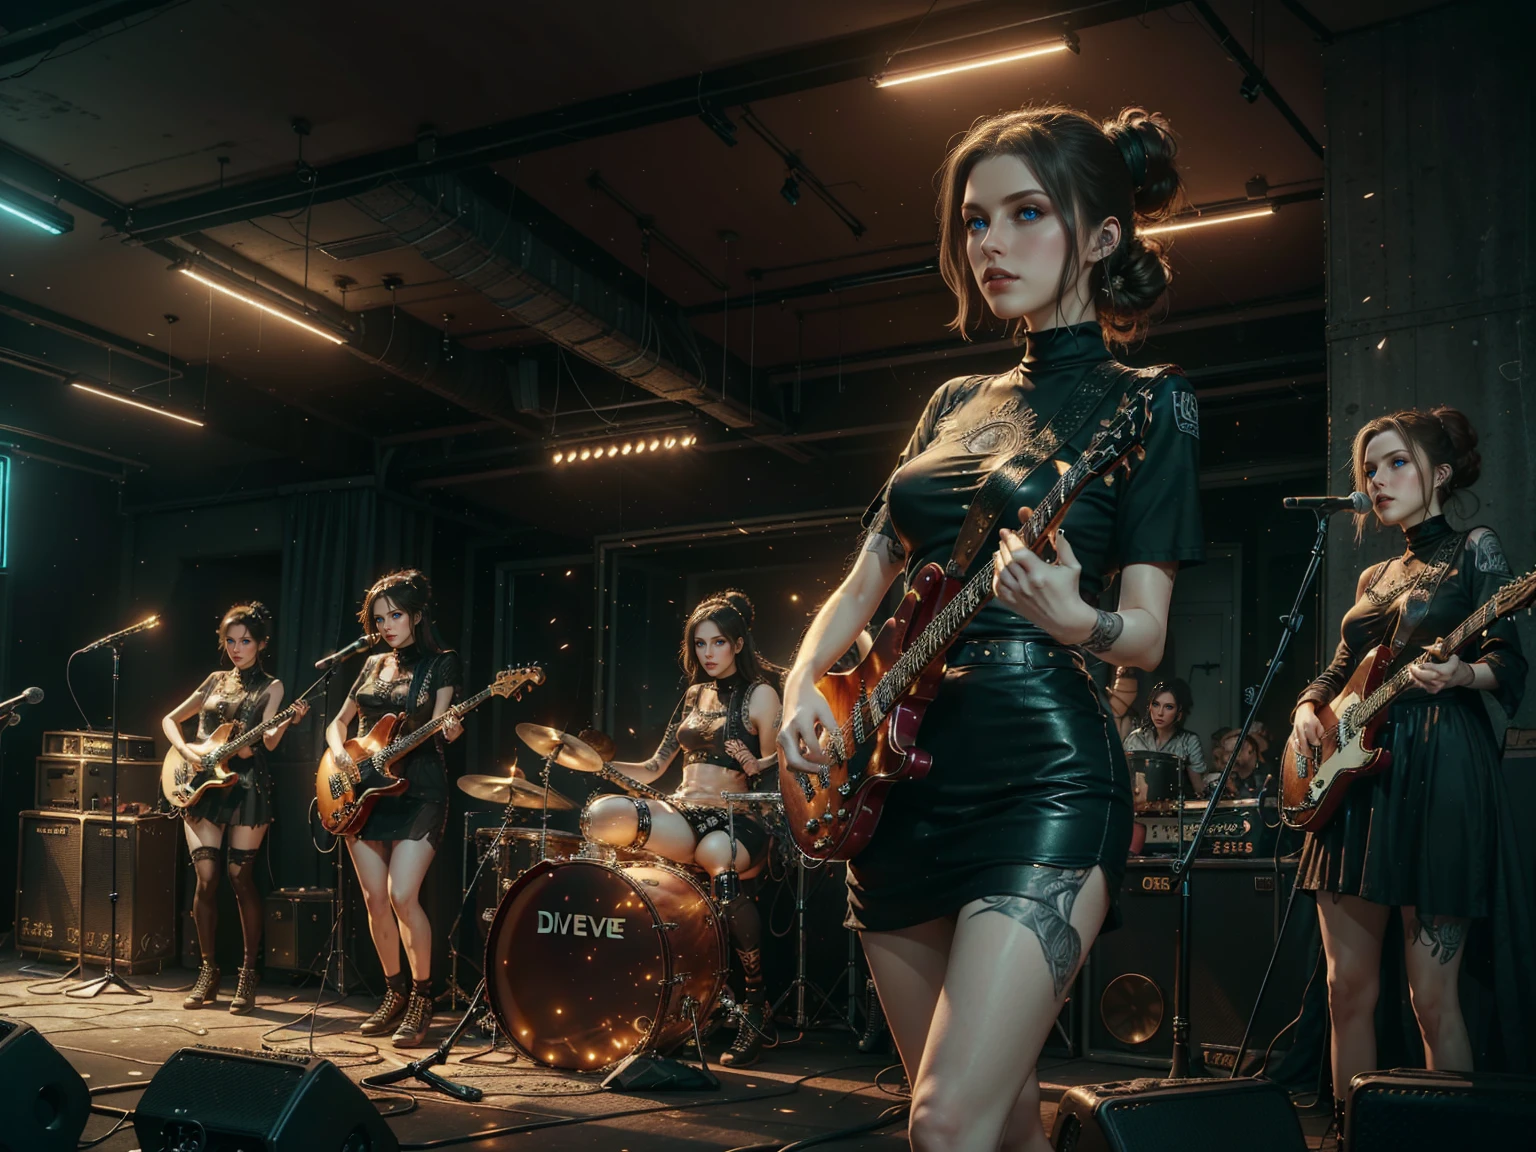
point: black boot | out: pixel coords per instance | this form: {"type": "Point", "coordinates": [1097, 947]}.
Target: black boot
{"type": "Point", "coordinates": [876, 1035]}
{"type": "Point", "coordinates": [206, 991]}
{"type": "Point", "coordinates": [748, 1045]}
{"type": "Point", "coordinates": [245, 993]}
{"type": "Point", "coordinates": [390, 1008]}
{"type": "Point", "coordinates": [417, 1020]}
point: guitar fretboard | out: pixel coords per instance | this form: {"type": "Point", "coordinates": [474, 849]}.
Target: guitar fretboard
{"type": "Point", "coordinates": [404, 744]}
{"type": "Point", "coordinates": [1400, 682]}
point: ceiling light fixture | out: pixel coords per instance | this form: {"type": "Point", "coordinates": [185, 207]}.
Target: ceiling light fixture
{"type": "Point", "coordinates": [891, 79]}
{"type": "Point", "coordinates": [627, 448]}
{"type": "Point", "coordinates": [209, 278]}
{"type": "Point", "coordinates": [1177, 224]}
{"type": "Point", "coordinates": [35, 211]}
{"type": "Point", "coordinates": [110, 394]}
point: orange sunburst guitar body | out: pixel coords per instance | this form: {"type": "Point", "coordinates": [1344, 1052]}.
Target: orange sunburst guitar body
{"type": "Point", "coordinates": [346, 795]}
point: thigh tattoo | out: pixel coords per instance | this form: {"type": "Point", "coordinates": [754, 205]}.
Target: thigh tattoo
{"type": "Point", "coordinates": [1443, 938]}
{"type": "Point", "coordinates": [1046, 910]}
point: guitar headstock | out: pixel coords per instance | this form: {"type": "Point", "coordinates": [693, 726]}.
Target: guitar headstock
{"type": "Point", "coordinates": [511, 681]}
{"type": "Point", "coordinates": [1515, 595]}
{"type": "Point", "coordinates": [1121, 438]}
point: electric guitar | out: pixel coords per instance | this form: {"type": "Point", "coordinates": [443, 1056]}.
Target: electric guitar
{"type": "Point", "coordinates": [879, 704]}
{"type": "Point", "coordinates": [183, 784]}
{"type": "Point", "coordinates": [1313, 787]}
{"type": "Point", "coordinates": [346, 795]}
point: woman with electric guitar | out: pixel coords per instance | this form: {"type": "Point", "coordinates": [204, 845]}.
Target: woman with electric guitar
{"type": "Point", "coordinates": [997, 856]}
{"type": "Point", "coordinates": [234, 792]}
{"type": "Point", "coordinates": [393, 847]}
{"type": "Point", "coordinates": [1422, 833]}
{"type": "Point", "coordinates": [729, 717]}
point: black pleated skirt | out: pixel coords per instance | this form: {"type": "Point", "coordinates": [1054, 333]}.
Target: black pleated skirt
{"type": "Point", "coordinates": [247, 802]}
{"type": "Point", "coordinates": [1424, 832]}
{"type": "Point", "coordinates": [1027, 770]}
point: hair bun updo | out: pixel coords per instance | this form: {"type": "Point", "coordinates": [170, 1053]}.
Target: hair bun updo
{"type": "Point", "coordinates": [1149, 149]}
{"type": "Point", "coordinates": [740, 601]}
{"type": "Point", "coordinates": [1466, 461]}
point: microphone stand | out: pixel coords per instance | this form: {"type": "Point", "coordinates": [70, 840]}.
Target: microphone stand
{"type": "Point", "coordinates": [109, 980]}
{"type": "Point", "coordinates": [1180, 1065]}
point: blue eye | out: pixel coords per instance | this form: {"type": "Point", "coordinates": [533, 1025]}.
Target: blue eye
{"type": "Point", "coordinates": [1030, 212]}
{"type": "Point", "coordinates": [1398, 463]}
{"type": "Point", "coordinates": [976, 224]}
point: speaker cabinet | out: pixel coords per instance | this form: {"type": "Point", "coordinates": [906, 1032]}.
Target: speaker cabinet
{"type": "Point", "coordinates": [1414, 1108]}
{"type": "Point", "coordinates": [227, 1098]}
{"type": "Point", "coordinates": [64, 885]}
{"type": "Point", "coordinates": [43, 1101]}
{"type": "Point", "coordinates": [1235, 909]}
{"type": "Point", "coordinates": [1177, 1116]}
{"type": "Point", "coordinates": [299, 922]}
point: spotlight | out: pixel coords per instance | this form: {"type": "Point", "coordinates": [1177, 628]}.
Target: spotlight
{"type": "Point", "coordinates": [613, 450]}
{"type": "Point", "coordinates": [626, 450]}
{"type": "Point", "coordinates": [1252, 88]}
{"type": "Point", "coordinates": [790, 190]}
{"type": "Point", "coordinates": [655, 444]}
{"type": "Point", "coordinates": [671, 441]}
{"type": "Point", "coordinates": [559, 457]}
{"type": "Point", "coordinates": [586, 453]}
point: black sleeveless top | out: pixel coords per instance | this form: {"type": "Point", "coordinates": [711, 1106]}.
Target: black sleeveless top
{"type": "Point", "coordinates": [704, 732]}
{"type": "Point", "coordinates": [425, 766]}
{"type": "Point", "coordinates": [236, 695]}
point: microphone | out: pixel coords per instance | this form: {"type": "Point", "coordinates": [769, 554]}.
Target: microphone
{"type": "Point", "coordinates": [30, 696]}
{"type": "Point", "coordinates": [364, 641]}
{"type": "Point", "coordinates": [1328, 505]}
{"type": "Point", "coordinates": [141, 626]}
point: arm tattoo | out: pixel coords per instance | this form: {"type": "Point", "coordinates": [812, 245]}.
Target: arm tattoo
{"type": "Point", "coordinates": [665, 750]}
{"type": "Point", "coordinates": [1490, 556]}
{"type": "Point", "coordinates": [1106, 630]}
{"type": "Point", "coordinates": [1443, 937]}
{"type": "Point", "coordinates": [1046, 910]}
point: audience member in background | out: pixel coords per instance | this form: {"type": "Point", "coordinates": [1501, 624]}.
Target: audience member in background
{"type": "Point", "coordinates": [1247, 778]}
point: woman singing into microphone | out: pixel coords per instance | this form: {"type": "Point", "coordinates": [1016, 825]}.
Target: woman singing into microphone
{"type": "Point", "coordinates": [1424, 835]}
{"type": "Point", "coordinates": [393, 850]}
{"type": "Point", "coordinates": [987, 880]}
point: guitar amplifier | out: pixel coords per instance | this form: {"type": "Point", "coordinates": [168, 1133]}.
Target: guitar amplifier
{"type": "Point", "coordinates": [98, 746]}
{"type": "Point", "coordinates": [1239, 828]}
{"type": "Point", "coordinates": [299, 924]}
{"type": "Point", "coordinates": [64, 855]}
{"type": "Point", "coordinates": [84, 783]}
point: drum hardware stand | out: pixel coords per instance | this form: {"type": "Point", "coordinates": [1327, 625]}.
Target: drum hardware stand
{"type": "Point", "coordinates": [455, 991]}
{"type": "Point", "coordinates": [1182, 864]}
{"type": "Point", "coordinates": [652, 1072]}
{"type": "Point", "coordinates": [803, 983]}
{"type": "Point", "coordinates": [422, 1069]}
{"type": "Point", "coordinates": [109, 980]}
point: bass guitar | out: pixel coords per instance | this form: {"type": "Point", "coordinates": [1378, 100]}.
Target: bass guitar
{"type": "Point", "coordinates": [346, 795]}
{"type": "Point", "coordinates": [879, 704]}
{"type": "Point", "coordinates": [1313, 786]}
{"type": "Point", "coordinates": [183, 783]}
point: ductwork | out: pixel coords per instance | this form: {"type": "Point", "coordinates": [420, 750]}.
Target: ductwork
{"type": "Point", "coordinates": [467, 235]}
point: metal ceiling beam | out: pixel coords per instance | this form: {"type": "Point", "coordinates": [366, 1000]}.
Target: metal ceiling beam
{"type": "Point", "coordinates": [72, 21]}
{"type": "Point", "coordinates": [804, 67]}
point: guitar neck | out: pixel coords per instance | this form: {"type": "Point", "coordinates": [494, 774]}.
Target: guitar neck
{"type": "Point", "coordinates": [409, 741]}
{"type": "Point", "coordinates": [943, 629]}
{"type": "Point", "coordinates": [256, 732]}
{"type": "Point", "coordinates": [1402, 680]}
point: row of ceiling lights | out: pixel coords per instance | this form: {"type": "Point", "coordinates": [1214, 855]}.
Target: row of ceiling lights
{"type": "Point", "coordinates": [628, 448]}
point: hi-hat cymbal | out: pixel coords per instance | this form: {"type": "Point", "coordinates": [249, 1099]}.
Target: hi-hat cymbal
{"type": "Point", "coordinates": [516, 790]}
{"type": "Point", "coordinates": [569, 751]}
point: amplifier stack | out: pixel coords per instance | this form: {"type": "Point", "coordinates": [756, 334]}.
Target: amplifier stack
{"type": "Point", "coordinates": [74, 772]}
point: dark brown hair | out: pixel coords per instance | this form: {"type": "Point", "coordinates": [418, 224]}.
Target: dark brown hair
{"type": "Point", "coordinates": [256, 617]}
{"type": "Point", "coordinates": [1183, 700]}
{"type": "Point", "coordinates": [1438, 436]}
{"type": "Point", "coordinates": [1122, 168]}
{"type": "Point", "coordinates": [731, 612]}
{"type": "Point", "coordinates": [411, 592]}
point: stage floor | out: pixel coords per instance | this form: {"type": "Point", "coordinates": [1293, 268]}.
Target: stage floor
{"type": "Point", "coordinates": [806, 1086]}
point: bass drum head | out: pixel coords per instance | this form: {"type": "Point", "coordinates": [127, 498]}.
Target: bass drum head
{"type": "Point", "coordinates": [579, 970]}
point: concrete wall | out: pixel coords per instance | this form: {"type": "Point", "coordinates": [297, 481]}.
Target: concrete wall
{"type": "Point", "coordinates": [1431, 276]}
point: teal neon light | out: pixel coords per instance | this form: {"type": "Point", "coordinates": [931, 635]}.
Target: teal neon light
{"type": "Point", "coordinates": [5, 511]}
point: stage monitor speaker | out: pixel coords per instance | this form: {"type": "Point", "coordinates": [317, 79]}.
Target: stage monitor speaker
{"type": "Point", "coordinates": [1177, 1116]}
{"type": "Point", "coordinates": [230, 1100]}
{"type": "Point", "coordinates": [1413, 1108]}
{"type": "Point", "coordinates": [1236, 906]}
{"type": "Point", "coordinates": [44, 1103]}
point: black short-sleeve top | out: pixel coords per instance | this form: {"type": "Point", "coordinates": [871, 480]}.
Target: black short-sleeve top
{"type": "Point", "coordinates": [424, 766]}
{"type": "Point", "coordinates": [233, 695]}
{"type": "Point", "coordinates": [974, 424]}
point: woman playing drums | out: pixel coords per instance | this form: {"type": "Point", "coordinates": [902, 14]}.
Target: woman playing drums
{"type": "Point", "coordinates": [728, 715]}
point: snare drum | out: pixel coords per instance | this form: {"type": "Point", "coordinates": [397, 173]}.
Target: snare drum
{"type": "Point", "coordinates": [513, 851]}
{"type": "Point", "coordinates": [1164, 776]}
{"type": "Point", "coordinates": [587, 962]}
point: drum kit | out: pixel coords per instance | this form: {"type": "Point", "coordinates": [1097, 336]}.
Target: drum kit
{"type": "Point", "coordinates": [591, 954]}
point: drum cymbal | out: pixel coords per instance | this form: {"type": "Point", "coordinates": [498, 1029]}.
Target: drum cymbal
{"type": "Point", "coordinates": [516, 790]}
{"type": "Point", "coordinates": [573, 753]}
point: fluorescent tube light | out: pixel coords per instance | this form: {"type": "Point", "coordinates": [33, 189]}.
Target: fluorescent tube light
{"type": "Point", "coordinates": [207, 279]}
{"type": "Point", "coordinates": [106, 394]}
{"type": "Point", "coordinates": [35, 211]}
{"type": "Point", "coordinates": [890, 80]}
{"type": "Point", "coordinates": [1206, 221]}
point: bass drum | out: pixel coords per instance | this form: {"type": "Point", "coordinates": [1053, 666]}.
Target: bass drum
{"type": "Point", "coordinates": [588, 961]}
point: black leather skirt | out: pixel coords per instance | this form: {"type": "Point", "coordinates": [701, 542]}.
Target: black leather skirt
{"type": "Point", "coordinates": [245, 803]}
{"type": "Point", "coordinates": [1027, 770]}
